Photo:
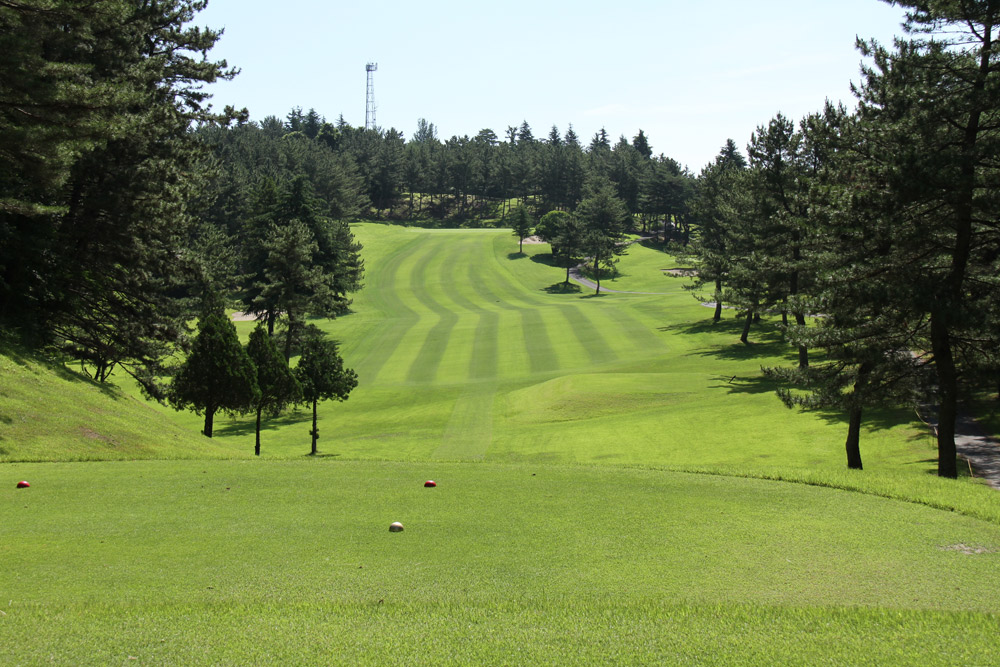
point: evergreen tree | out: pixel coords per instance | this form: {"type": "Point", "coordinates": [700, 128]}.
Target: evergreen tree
{"type": "Point", "coordinates": [322, 375]}
{"type": "Point", "coordinates": [872, 348]}
{"type": "Point", "coordinates": [641, 144]}
{"type": "Point", "coordinates": [565, 237]}
{"type": "Point", "coordinates": [928, 122]}
{"type": "Point", "coordinates": [603, 218]}
{"type": "Point", "coordinates": [521, 224]}
{"type": "Point", "coordinates": [785, 168]}
{"type": "Point", "coordinates": [276, 382]}
{"type": "Point", "coordinates": [97, 179]}
{"type": "Point", "coordinates": [717, 209]}
{"type": "Point", "coordinates": [217, 374]}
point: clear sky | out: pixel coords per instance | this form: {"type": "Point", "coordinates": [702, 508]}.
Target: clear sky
{"type": "Point", "coordinates": [689, 74]}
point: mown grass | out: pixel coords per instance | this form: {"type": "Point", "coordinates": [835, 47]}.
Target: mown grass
{"type": "Point", "coordinates": [219, 562]}
{"type": "Point", "coordinates": [611, 491]}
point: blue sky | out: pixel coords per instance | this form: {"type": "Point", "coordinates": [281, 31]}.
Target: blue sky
{"type": "Point", "coordinates": [689, 74]}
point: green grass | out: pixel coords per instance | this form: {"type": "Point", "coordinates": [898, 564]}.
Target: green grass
{"type": "Point", "coordinates": [613, 490]}
{"type": "Point", "coordinates": [237, 562]}
{"type": "Point", "coordinates": [49, 411]}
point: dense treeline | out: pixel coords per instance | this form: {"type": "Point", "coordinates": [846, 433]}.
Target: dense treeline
{"type": "Point", "coordinates": [124, 216]}
{"type": "Point", "coordinates": [98, 174]}
{"type": "Point", "coordinates": [882, 222]}
{"type": "Point", "coordinates": [463, 180]}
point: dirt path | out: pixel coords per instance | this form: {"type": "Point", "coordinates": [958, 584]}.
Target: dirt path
{"type": "Point", "coordinates": [975, 445]}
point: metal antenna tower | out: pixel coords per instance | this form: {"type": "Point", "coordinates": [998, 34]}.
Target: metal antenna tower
{"type": "Point", "coordinates": [370, 97]}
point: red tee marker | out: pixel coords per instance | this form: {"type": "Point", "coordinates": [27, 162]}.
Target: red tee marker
{"type": "Point", "coordinates": [430, 482]}
{"type": "Point", "coordinates": [23, 484]}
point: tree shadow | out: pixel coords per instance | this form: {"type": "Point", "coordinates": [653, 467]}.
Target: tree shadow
{"type": "Point", "coordinates": [516, 255]}
{"type": "Point", "coordinates": [249, 427]}
{"type": "Point", "coordinates": [739, 384]}
{"type": "Point", "coordinates": [765, 339]}
{"type": "Point", "coordinates": [562, 288]}
{"type": "Point", "coordinates": [56, 363]}
{"type": "Point", "coordinates": [545, 258]}
{"type": "Point", "coordinates": [738, 351]}
{"type": "Point", "coordinates": [878, 419]}
{"type": "Point", "coordinates": [595, 295]}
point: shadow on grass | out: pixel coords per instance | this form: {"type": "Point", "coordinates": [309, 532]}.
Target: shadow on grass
{"type": "Point", "coordinates": [25, 357]}
{"type": "Point", "coordinates": [516, 255]}
{"type": "Point", "coordinates": [765, 339]}
{"type": "Point", "coordinates": [738, 384]}
{"type": "Point", "coordinates": [878, 419]}
{"type": "Point", "coordinates": [545, 258]}
{"type": "Point", "coordinates": [932, 467]}
{"type": "Point", "coordinates": [249, 427]}
{"type": "Point", "coordinates": [562, 288]}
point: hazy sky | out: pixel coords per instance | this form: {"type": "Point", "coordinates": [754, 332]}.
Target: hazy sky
{"type": "Point", "coordinates": [689, 74]}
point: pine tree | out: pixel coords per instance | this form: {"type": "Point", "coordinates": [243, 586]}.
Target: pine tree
{"type": "Point", "coordinates": [717, 210]}
{"type": "Point", "coordinates": [277, 384]}
{"type": "Point", "coordinates": [564, 235]}
{"type": "Point", "coordinates": [94, 196]}
{"type": "Point", "coordinates": [217, 374]}
{"type": "Point", "coordinates": [322, 375]}
{"type": "Point", "coordinates": [928, 129]}
{"type": "Point", "coordinates": [603, 218]}
{"type": "Point", "coordinates": [641, 144]}
{"type": "Point", "coordinates": [521, 224]}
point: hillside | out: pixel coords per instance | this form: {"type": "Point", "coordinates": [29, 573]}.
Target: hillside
{"type": "Point", "coordinates": [50, 412]}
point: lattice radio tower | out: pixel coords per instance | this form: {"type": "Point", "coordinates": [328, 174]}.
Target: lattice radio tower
{"type": "Point", "coordinates": [370, 97]}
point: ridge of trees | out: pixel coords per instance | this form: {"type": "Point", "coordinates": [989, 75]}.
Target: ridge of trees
{"type": "Point", "coordinates": [475, 181]}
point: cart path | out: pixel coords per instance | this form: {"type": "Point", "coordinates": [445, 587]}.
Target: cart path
{"type": "Point", "coordinates": [576, 276]}
{"type": "Point", "coordinates": [974, 444]}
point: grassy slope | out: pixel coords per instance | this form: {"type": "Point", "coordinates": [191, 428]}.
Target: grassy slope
{"type": "Point", "coordinates": [51, 412]}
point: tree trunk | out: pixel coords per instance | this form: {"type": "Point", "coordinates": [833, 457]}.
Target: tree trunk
{"type": "Point", "coordinates": [854, 439]}
{"type": "Point", "coordinates": [597, 272]}
{"type": "Point", "coordinates": [746, 328]}
{"type": "Point", "coordinates": [256, 449]}
{"type": "Point", "coordinates": [567, 283]}
{"type": "Point", "coordinates": [800, 320]}
{"type": "Point", "coordinates": [315, 431]}
{"type": "Point", "coordinates": [209, 419]}
{"type": "Point", "coordinates": [718, 300]}
{"type": "Point", "coordinates": [952, 293]}
{"type": "Point", "coordinates": [947, 377]}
